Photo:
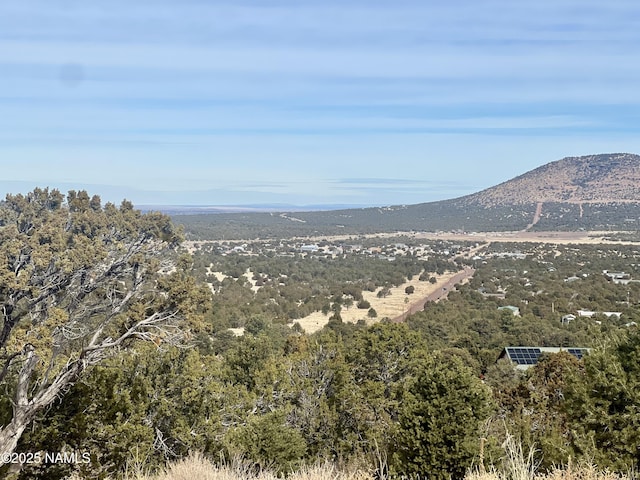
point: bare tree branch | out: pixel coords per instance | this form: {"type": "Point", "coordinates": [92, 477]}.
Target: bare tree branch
{"type": "Point", "coordinates": [77, 284]}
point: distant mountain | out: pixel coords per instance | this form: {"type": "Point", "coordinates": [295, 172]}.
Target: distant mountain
{"type": "Point", "coordinates": [219, 209]}
{"type": "Point", "coordinates": [596, 192]}
{"type": "Point", "coordinates": [608, 178]}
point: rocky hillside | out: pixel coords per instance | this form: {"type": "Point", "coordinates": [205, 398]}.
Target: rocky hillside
{"type": "Point", "coordinates": [607, 178]}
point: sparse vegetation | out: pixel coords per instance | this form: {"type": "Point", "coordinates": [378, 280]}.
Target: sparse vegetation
{"type": "Point", "coordinates": [515, 464]}
{"type": "Point", "coordinates": [598, 192]}
{"type": "Point", "coordinates": [374, 397]}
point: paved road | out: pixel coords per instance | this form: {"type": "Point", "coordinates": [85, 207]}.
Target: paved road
{"type": "Point", "coordinates": [439, 294]}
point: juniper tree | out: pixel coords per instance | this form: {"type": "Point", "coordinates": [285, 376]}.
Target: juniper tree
{"type": "Point", "coordinates": [78, 283]}
{"type": "Point", "coordinates": [442, 405]}
{"type": "Point", "coordinates": [603, 404]}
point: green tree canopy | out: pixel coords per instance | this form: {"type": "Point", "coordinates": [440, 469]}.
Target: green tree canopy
{"type": "Point", "coordinates": [603, 404]}
{"type": "Point", "coordinates": [441, 407]}
{"type": "Point", "coordinates": [79, 282]}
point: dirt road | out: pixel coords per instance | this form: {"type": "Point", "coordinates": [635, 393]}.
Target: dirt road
{"type": "Point", "coordinates": [581, 237]}
{"type": "Point", "coordinates": [439, 294]}
{"type": "Point", "coordinates": [536, 217]}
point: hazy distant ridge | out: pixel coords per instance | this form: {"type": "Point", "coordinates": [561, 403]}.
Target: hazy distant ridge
{"type": "Point", "coordinates": [596, 192]}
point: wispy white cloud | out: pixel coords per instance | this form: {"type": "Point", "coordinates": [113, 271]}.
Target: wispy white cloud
{"type": "Point", "coordinates": [294, 92]}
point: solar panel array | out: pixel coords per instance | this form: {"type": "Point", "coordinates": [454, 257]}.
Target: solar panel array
{"type": "Point", "coordinates": [530, 355]}
{"type": "Point", "coordinates": [576, 352]}
{"type": "Point", "coordinates": [523, 355]}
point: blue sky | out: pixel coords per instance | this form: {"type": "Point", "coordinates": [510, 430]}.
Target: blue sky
{"type": "Point", "coordinates": [365, 102]}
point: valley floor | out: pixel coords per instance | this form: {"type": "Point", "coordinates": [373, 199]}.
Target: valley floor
{"type": "Point", "coordinates": [584, 237]}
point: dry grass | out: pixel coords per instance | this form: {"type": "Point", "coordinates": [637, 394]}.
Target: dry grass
{"type": "Point", "coordinates": [397, 303]}
{"type": "Point", "coordinates": [517, 465]}
{"type": "Point", "coordinates": [585, 472]}
{"type": "Point", "coordinates": [520, 465]}
{"type": "Point", "coordinates": [197, 467]}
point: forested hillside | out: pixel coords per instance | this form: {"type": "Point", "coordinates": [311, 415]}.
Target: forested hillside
{"type": "Point", "coordinates": [414, 397]}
